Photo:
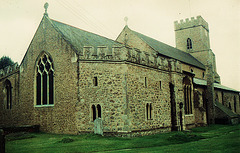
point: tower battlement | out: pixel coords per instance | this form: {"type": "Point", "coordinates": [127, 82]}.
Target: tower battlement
{"type": "Point", "coordinates": [192, 22]}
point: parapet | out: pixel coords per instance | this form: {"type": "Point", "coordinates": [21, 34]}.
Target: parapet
{"type": "Point", "coordinates": [128, 54]}
{"type": "Point", "coordinates": [8, 70]}
{"type": "Point", "coordinates": [193, 22]}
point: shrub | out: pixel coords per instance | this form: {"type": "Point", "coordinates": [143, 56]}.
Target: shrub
{"type": "Point", "coordinates": [19, 136]}
{"type": "Point", "coordinates": [66, 140]}
{"type": "Point", "coordinates": [182, 137]}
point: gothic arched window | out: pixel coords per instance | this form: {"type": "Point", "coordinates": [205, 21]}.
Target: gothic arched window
{"type": "Point", "coordinates": [8, 87]}
{"type": "Point", "coordinates": [187, 95]}
{"type": "Point", "coordinates": [44, 80]}
{"type": "Point", "coordinates": [189, 43]}
{"type": "Point", "coordinates": [96, 112]}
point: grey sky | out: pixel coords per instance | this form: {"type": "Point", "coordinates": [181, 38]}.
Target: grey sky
{"type": "Point", "coordinates": [19, 20]}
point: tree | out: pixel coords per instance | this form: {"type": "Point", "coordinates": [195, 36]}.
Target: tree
{"type": "Point", "coordinates": [5, 61]}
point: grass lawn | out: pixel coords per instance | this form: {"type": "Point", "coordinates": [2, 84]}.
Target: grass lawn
{"type": "Point", "coordinates": [214, 138]}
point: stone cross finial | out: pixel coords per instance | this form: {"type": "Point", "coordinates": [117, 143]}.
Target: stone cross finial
{"type": "Point", "coordinates": [46, 7]}
{"type": "Point", "coordinates": [126, 20]}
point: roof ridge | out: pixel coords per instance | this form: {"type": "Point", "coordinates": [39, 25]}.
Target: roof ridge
{"type": "Point", "coordinates": [225, 109]}
{"type": "Point", "coordinates": [166, 45]}
{"type": "Point", "coordinates": [163, 43]}
{"type": "Point", "coordinates": [82, 30]}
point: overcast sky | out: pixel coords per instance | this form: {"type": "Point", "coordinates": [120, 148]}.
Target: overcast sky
{"type": "Point", "coordinates": [19, 20]}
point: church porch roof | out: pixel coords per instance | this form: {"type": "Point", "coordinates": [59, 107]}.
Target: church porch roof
{"type": "Point", "coordinates": [216, 85]}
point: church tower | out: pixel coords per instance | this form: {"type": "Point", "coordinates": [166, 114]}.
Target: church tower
{"type": "Point", "coordinates": [192, 36]}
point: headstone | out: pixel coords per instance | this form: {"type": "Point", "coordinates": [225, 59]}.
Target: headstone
{"type": "Point", "coordinates": [2, 141]}
{"type": "Point", "coordinates": [98, 126]}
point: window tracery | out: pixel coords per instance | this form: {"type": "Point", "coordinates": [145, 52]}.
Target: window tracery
{"type": "Point", "coordinates": [45, 81]}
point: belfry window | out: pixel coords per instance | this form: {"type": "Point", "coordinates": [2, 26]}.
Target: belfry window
{"type": "Point", "coordinates": [189, 43]}
{"type": "Point", "coordinates": [8, 87]}
{"type": "Point", "coordinates": [149, 111]}
{"type": "Point", "coordinates": [45, 81]}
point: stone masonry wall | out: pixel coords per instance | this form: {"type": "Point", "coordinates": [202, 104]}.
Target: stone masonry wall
{"type": "Point", "coordinates": [199, 106]}
{"type": "Point", "coordinates": [59, 118]}
{"type": "Point", "coordinates": [195, 29]}
{"type": "Point", "coordinates": [109, 94]}
{"type": "Point", "coordinates": [228, 99]}
{"type": "Point", "coordinates": [199, 73]}
{"type": "Point", "coordinates": [140, 94]}
{"type": "Point", "coordinates": [9, 117]}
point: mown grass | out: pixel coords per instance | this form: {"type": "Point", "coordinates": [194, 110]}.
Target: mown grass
{"type": "Point", "coordinates": [214, 138]}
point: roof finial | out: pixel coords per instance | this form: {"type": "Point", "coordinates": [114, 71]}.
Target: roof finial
{"type": "Point", "coordinates": [126, 20]}
{"type": "Point", "coordinates": [46, 7]}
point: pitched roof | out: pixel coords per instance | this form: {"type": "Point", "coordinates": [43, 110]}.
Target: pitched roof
{"type": "Point", "coordinates": [80, 38]}
{"type": "Point", "coordinates": [226, 110]}
{"type": "Point", "coordinates": [216, 85]}
{"type": "Point", "coordinates": [170, 51]}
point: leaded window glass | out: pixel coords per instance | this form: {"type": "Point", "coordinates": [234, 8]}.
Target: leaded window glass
{"type": "Point", "coordinates": [45, 81]}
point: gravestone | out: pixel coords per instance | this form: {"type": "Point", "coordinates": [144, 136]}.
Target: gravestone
{"type": "Point", "coordinates": [98, 126]}
{"type": "Point", "coordinates": [2, 141]}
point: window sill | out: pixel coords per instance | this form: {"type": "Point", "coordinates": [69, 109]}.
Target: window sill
{"type": "Point", "coordinates": [188, 115]}
{"type": "Point", "coordinates": [43, 105]}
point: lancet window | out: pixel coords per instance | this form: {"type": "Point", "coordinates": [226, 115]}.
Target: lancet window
{"type": "Point", "coordinates": [96, 112]}
{"type": "Point", "coordinates": [189, 43]}
{"type": "Point", "coordinates": [8, 87]}
{"type": "Point", "coordinates": [149, 111]}
{"type": "Point", "coordinates": [187, 95]}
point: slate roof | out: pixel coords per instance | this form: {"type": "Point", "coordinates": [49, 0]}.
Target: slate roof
{"type": "Point", "coordinates": [80, 38]}
{"type": "Point", "coordinates": [170, 51]}
{"type": "Point", "coordinates": [216, 85]}
{"type": "Point", "coordinates": [226, 110]}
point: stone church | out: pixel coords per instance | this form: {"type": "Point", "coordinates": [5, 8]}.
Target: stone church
{"type": "Point", "coordinates": [135, 84]}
